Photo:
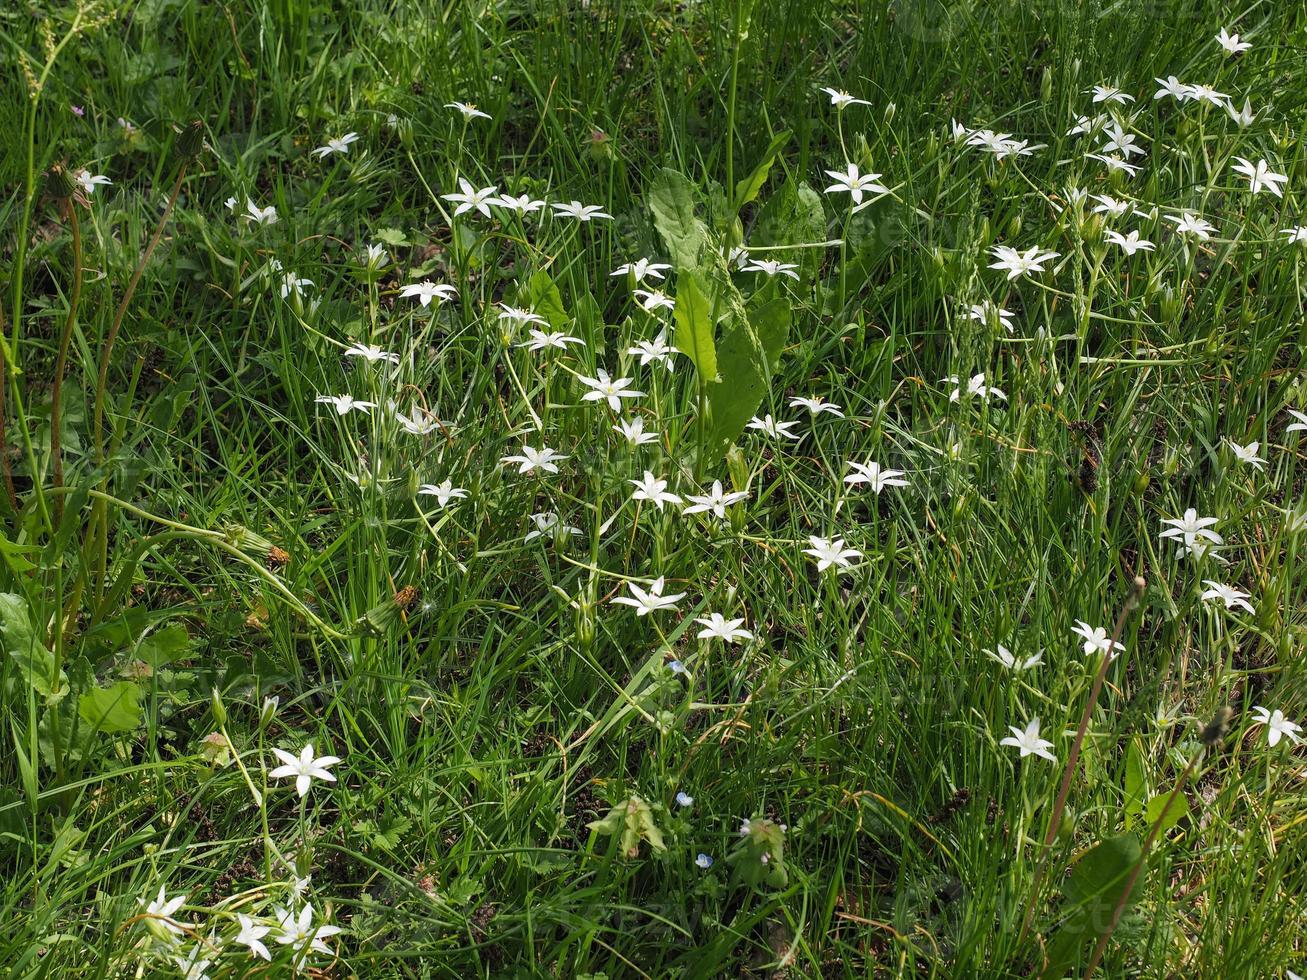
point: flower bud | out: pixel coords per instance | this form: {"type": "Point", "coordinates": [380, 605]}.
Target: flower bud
{"type": "Point", "coordinates": [268, 711]}
{"type": "Point", "coordinates": [219, 710]}
{"type": "Point", "coordinates": [59, 183]}
{"type": "Point", "coordinates": [1046, 84]}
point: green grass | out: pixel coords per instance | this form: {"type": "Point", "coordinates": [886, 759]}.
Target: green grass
{"type": "Point", "coordinates": [222, 538]}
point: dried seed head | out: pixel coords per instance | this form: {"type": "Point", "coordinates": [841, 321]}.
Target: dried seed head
{"type": "Point", "coordinates": [59, 183]}
{"type": "Point", "coordinates": [191, 141]}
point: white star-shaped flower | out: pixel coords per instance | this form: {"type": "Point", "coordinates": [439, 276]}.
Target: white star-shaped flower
{"type": "Point", "coordinates": [872, 474]}
{"type": "Point", "coordinates": [1191, 528]}
{"type": "Point", "coordinates": [768, 426]}
{"type": "Point", "coordinates": [651, 601]}
{"type": "Point", "coordinates": [340, 145]}
{"type": "Point", "coordinates": [467, 110]}
{"type": "Point", "coordinates": [656, 351]}
{"type": "Point", "coordinates": [540, 340]}
{"type": "Point", "coordinates": [976, 388]}
{"type": "Point", "coordinates": [1028, 742]}
{"type": "Point", "coordinates": [1277, 725]}
{"type": "Point", "coordinates": [426, 291]}
{"type": "Point", "coordinates": [633, 431]}
{"type": "Point", "coordinates": [299, 931]}
{"type": "Point", "coordinates": [611, 390]}
{"type": "Point", "coordinates": [855, 183]}
{"type": "Point", "coordinates": [344, 404]}
{"type": "Point", "coordinates": [530, 459]}
{"type": "Point", "coordinates": [842, 100]}
{"type": "Point", "coordinates": [1228, 594]}
{"type": "Point", "coordinates": [469, 198]}
{"type": "Point", "coordinates": [251, 936]}
{"type": "Point", "coordinates": [1110, 94]}
{"type": "Point", "coordinates": [1115, 163]}
{"type": "Point", "coordinates": [718, 627]}
{"type": "Point", "coordinates": [89, 181]}
{"type": "Point", "coordinates": [522, 204]}
{"type": "Point", "coordinates": [1131, 243]}
{"type": "Point", "coordinates": [443, 492]}
{"type": "Point", "coordinates": [579, 211]}
{"type": "Point", "coordinates": [1232, 43]}
{"type": "Point", "coordinates": [716, 501]}
{"type": "Point", "coordinates": [654, 299]}
{"type": "Point", "coordinates": [816, 406]}
{"type": "Point", "coordinates": [642, 269]}
{"type": "Point", "coordinates": [654, 490]}
{"type": "Point", "coordinates": [1261, 177]}
{"type": "Point", "coordinates": [164, 909]}
{"type": "Point", "coordinates": [520, 317]}
{"type": "Point", "coordinates": [305, 769]}
{"type": "Point", "coordinates": [1096, 639]}
{"type": "Point", "coordinates": [548, 524]}
{"type": "Point", "coordinates": [1020, 263]}
{"type": "Point", "coordinates": [988, 312]}
{"type": "Point", "coordinates": [1247, 454]}
{"type": "Point", "coordinates": [830, 552]}
{"type": "Point", "coordinates": [260, 216]}
{"type": "Point", "coordinates": [1189, 223]}
{"type": "Point", "coordinates": [771, 268]}
{"type": "Point", "coordinates": [371, 353]}
{"type": "Point", "coordinates": [1005, 656]}
{"type": "Point", "coordinates": [1174, 88]}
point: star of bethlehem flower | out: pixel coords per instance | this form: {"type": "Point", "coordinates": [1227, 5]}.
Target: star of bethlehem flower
{"type": "Point", "coordinates": [1300, 425]}
{"type": "Point", "coordinates": [164, 910]}
{"type": "Point", "coordinates": [516, 316]}
{"type": "Point", "coordinates": [251, 936]}
{"type": "Point", "coordinates": [1111, 95]}
{"type": "Point", "coordinates": [1189, 223]}
{"type": "Point", "coordinates": [1086, 125]}
{"type": "Point", "coordinates": [579, 211]}
{"type": "Point", "coordinates": [715, 501]}
{"type": "Point", "coordinates": [1191, 528]}
{"type": "Point", "coordinates": [1096, 639]}
{"type": "Point", "coordinates": [772, 268]}
{"type": "Point", "coordinates": [654, 299]}
{"type": "Point", "coordinates": [299, 931]}
{"type": "Point", "coordinates": [540, 340]}
{"type": "Point", "coordinates": [1173, 88]}
{"type": "Point", "coordinates": [89, 181]}
{"type": "Point", "coordinates": [1243, 118]}
{"type": "Point", "coordinates": [718, 627]}
{"type": "Point", "coordinates": [306, 768]}
{"type": "Point", "coordinates": [1005, 656]}
{"type": "Point", "coordinates": [260, 216]}
{"type": "Point", "coordinates": [426, 291]}
{"type": "Point", "coordinates": [1115, 163]}
{"type": "Point", "coordinates": [194, 965]}
{"type": "Point", "coordinates": [611, 390]}
{"type": "Point", "coordinates": [1020, 263]}
{"type": "Point", "coordinates": [1205, 93]}
{"type": "Point", "coordinates": [374, 257]}
{"type": "Point", "coordinates": [530, 459]}
{"type": "Point", "coordinates": [1120, 141]}
{"type": "Point", "coordinates": [633, 431]}
{"type": "Point", "coordinates": [522, 204]}
{"type": "Point", "coordinates": [872, 474]}
{"type": "Point", "coordinates": [988, 312]}
{"type": "Point", "coordinates": [958, 131]}
{"type": "Point", "coordinates": [653, 600]}
{"type": "Point", "coordinates": [340, 145]}
{"type": "Point", "coordinates": [1131, 243]}
{"type": "Point", "coordinates": [1111, 207]}
{"type": "Point", "coordinates": [344, 404]}
{"type": "Point", "coordinates": [1296, 235]}
{"type": "Point", "coordinates": [654, 490]}
{"type": "Point", "coordinates": [830, 552]}
{"type": "Point", "coordinates": [467, 110]}
{"type": "Point", "coordinates": [421, 423]}
{"type": "Point", "coordinates": [1028, 742]}
{"type": "Point", "coordinates": [1261, 177]}
{"type": "Point", "coordinates": [656, 351]}
{"type": "Point", "coordinates": [854, 183]}
{"type": "Point", "coordinates": [816, 406]}
{"type": "Point", "coordinates": [443, 492]}
{"type": "Point", "coordinates": [547, 525]}
{"type": "Point", "coordinates": [1247, 454]}
{"type": "Point", "coordinates": [841, 99]}
{"type": "Point", "coordinates": [290, 283]}
{"type": "Point", "coordinates": [1228, 594]}
{"type": "Point", "coordinates": [1232, 43]}
{"type": "Point", "coordinates": [1199, 551]}
{"type": "Point", "coordinates": [976, 388]}
{"type": "Point", "coordinates": [1277, 726]}
{"type": "Point", "coordinates": [371, 353]}
{"type": "Point", "coordinates": [642, 269]}
{"type": "Point", "coordinates": [470, 197]}
{"type": "Point", "coordinates": [768, 426]}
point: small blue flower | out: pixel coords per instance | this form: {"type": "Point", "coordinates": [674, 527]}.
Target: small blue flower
{"type": "Point", "coordinates": [703, 861]}
{"type": "Point", "coordinates": [676, 667]}
{"type": "Point", "coordinates": [684, 799]}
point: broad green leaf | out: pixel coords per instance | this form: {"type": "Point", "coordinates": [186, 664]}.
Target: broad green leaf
{"type": "Point", "coordinates": [1092, 892]}
{"type": "Point", "coordinates": [112, 709]}
{"type": "Point", "coordinates": [793, 215]}
{"type": "Point", "coordinates": [35, 661]}
{"type": "Point", "coordinates": [164, 646]}
{"type": "Point", "coordinates": [750, 347]}
{"type": "Point", "coordinates": [747, 189]}
{"type": "Point", "coordinates": [672, 201]}
{"type": "Point", "coordinates": [694, 326]}
{"type": "Point", "coordinates": [1135, 783]}
{"type": "Point", "coordinates": [1177, 812]}
{"type": "Point", "coordinates": [543, 297]}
